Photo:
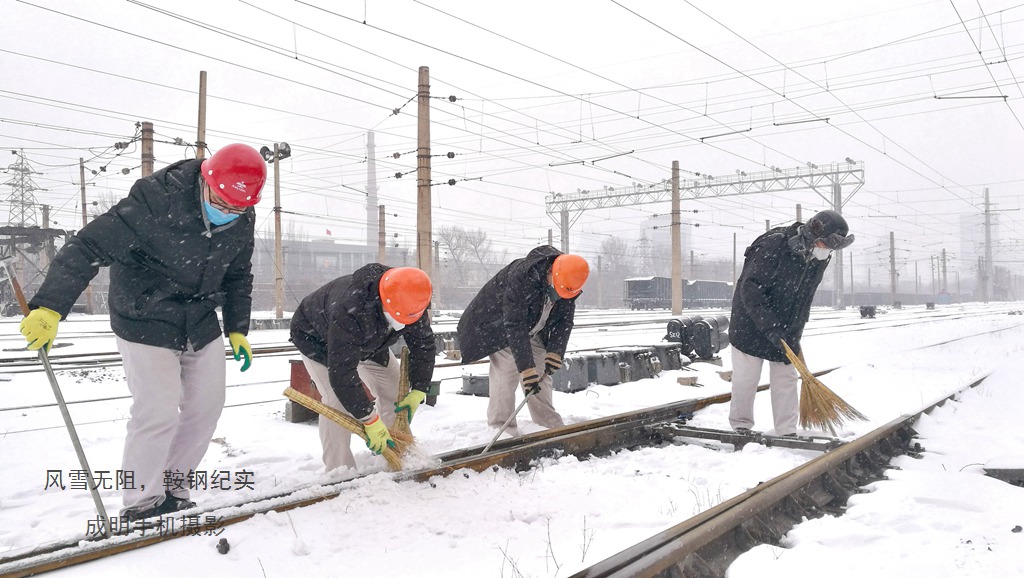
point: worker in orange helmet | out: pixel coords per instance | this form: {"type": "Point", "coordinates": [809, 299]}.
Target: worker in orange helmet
{"type": "Point", "coordinates": [179, 247]}
{"type": "Point", "coordinates": [522, 319]}
{"type": "Point", "coordinates": [344, 331]}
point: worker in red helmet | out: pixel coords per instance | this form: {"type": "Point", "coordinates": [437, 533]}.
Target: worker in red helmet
{"type": "Point", "coordinates": [179, 247]}
{"type": "Point", "coordinates": [344, 332]}
{"type": "Point", "coordinates": [521, 319]}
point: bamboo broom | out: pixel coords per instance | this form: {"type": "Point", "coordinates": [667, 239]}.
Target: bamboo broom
{"type": "Point", "coordinates": [392, 455]}
{"type": "Point", "coordinates": [401, 425]}
{"type": "Point", "coordinates": [820, 407]}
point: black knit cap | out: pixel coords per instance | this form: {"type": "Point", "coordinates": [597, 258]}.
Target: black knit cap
{"type": "Point", "coordinates": [830, 228]}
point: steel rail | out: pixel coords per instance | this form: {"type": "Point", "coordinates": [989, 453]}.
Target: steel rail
{"type": "Point", "coordinates": [705, 545]}
{"type": "Point", "coordinates": [595, 437]}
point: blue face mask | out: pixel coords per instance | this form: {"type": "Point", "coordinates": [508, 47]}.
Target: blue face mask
{"type": "Point", "coordinates": [217, 216]}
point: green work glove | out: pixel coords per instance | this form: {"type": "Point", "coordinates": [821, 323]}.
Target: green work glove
{"type": "Point", "coordinates": [410, 403]}
{"type": "Point", "coordinates": [377, 435]}
{"type": "Point", "coordinates": [240, 345]}
{"type": "Point", "coordinates": [40, 328]}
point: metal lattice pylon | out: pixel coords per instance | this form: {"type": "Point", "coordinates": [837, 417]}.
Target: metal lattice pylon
{"type": "Point", "coordinates": [23, 202]}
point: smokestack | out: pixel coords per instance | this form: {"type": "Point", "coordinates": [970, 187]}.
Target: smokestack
{"type": "Point", "coordinates": [371, 193]}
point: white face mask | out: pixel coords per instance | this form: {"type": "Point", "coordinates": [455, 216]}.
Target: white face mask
{"type": "Point", "coordinates": [394, 324]}
{"type": "Point", "coordinates": [821, 253]}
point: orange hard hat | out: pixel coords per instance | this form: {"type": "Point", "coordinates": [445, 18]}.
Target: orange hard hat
{"type": "Point", "coordinates": [405, 293]}
{"type": "Point", "coordinates": [237, 174]}
{"type": "Point", "coordinates": [568, 274]}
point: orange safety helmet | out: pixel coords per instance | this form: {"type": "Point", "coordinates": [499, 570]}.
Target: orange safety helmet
{"type": "Point", "coordinates": [405, 293]}
{"type": "Point", "coordinates": [237, 174]}
{"type": "Point", "coordinates": [568, 274]}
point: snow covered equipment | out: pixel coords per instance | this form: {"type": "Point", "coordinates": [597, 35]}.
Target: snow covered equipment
{"type": "Point", "coordinates": [44, 358]}
{"type": "Point", "coordinates": [392, 455]}
{"type": "Point", "coordinates": [820, 407]}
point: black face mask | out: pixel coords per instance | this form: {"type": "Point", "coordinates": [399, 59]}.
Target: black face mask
{"type": "Point", "coordinates": [552, 294]}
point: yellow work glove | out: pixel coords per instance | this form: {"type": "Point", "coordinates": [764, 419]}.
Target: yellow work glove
{"type": "Point", "coordinates": [552, 363]}
{"type": "Point", "coordinates": [40, 328]}
{"type": "Point", "coordinates": [377, 435]}
{"type": "Point", "coordinates": [410, 403]}
{"type": "Point", "coordinates": [240, 346]}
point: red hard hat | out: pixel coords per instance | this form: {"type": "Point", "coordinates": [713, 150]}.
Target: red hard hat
{"type": "Point", "coordinates": [405, 293]}
{"type": "Point", "coordinates": [568, 274]}
{"type": "Point", "coordinates": [236, 173]}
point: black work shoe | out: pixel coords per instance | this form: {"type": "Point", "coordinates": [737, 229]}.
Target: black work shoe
{"type": "Point", "coordinates": [175, 504]}
{"type": "Point", "coordinates": [742, 430]}
{"type": "Point", "coordinates": [169, 505]}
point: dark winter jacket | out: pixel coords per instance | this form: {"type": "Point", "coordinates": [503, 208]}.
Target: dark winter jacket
{"type": "Point", "coordinates": [343, 323]}
{"type": "Point", "coordinates": [775, 289]}
{"type": "Point", "coordinates": [168, 270]}
{"type": "Point", "coordinates": [509, 305]}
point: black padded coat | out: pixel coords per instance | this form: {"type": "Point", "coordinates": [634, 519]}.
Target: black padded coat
{"type": "Point", "coordinates": [775, 289]}
{"type": "Point", "coordinates": [509, 305]}
{"type": "Point", "coordinates": [343, 323]}
{"type": "Point", "coordinates": [169, 267]}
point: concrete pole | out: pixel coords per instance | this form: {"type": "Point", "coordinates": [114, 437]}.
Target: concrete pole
{"type": "Point", "coordinates": [278, 250]}
{"type": "Point", "coordinates": [892, 266]}
{"type": "Point", "coordinates": [837, 206]}
{"type": "Point", "coordinates": [435, 280]}
{"type": "Point", "coordinates": [371, 191]}
{"type": "Point", "coordinates": [853, 292]}
{"type": "Point", "coordinates": [423, 224]}
{"type": "Point", "coordinates": [988, 249]}
{"type": "Point", "coordinates": [677, 249]}
{"type": "Point", "coordinates": [201, 125]}
{"type": "Point", "coordinates": [382, 241]}
{"type": "Point", "coordinates": [85, 221]}
{"type": "Point", "coordinates": [564, 226]}
{"type": "Point", "coordinates": [945, 285]}
{"type": "Point", "coordinates": [147, 149]}
{"type": "Point", "coordinates": [734, 258]}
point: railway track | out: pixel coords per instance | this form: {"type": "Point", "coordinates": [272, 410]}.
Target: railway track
{"type": "Point", "coordinates": [28, 363]}
{"type": "Point", "coordinates": [634, 429]}
{"type": "Point", "coordinates": [701, 546]}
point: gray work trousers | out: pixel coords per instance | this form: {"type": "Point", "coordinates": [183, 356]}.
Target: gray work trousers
{"type": "Point", "coordinates": [503, 382]}
{"type": "Point", "coordinates": [177, 398]}
{"type": "Point", "coordinates": [782, 379]}
{"type": "Point", "coordinates": [383, 384]}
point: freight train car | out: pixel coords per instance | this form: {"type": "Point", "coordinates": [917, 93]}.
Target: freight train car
{"type": "Point", "coordinates": [656, 293]}
{"type": "Point", "coordinates": [648, 293]}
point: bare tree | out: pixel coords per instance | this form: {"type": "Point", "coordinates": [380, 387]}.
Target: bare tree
{"type": "Point", "coordinates": [480, 246]}
{"type": "Point", "coordinates": [453, 240]}
{"type": "Point", "coordinates": [101, 205]}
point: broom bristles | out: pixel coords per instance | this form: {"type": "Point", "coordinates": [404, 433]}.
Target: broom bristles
{"type": "Point", "coordinates": [393, 456]}
{"type": "Point", "coordinates": [820, 407]}
{"type": "Point", "coordinates": [401, 418]}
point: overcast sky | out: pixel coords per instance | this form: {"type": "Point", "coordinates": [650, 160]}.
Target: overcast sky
{"type": "Point", "coordinates": [540, 84]}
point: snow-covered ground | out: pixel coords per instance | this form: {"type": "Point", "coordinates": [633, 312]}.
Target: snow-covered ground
{"type": "Point", "coordinates": [938, 516]}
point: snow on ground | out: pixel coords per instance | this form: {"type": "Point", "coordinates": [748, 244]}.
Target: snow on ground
{"type": "Point", "coordinates": [938, 516]}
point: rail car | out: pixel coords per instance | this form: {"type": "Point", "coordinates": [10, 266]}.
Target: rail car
{"type": "Point", "coordinates": [656, 293]}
